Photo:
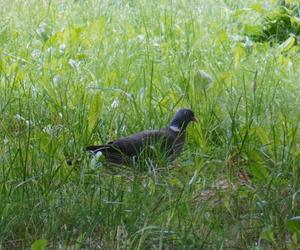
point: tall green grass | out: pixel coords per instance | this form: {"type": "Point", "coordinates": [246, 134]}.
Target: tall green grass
{"type": "Point", "coordinates": [74, 73]}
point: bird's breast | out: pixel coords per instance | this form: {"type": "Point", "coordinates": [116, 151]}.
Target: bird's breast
{"type": "Point", "coordinates": [178, 145]}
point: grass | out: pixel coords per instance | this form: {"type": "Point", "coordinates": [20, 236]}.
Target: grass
{"type": "Point", "coordinates": [74, 73]}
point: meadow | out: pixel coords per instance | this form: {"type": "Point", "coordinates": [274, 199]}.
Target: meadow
{"type": "Point", "coordinates": [74, 73]}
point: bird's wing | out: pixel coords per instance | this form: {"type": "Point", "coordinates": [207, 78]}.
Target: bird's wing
{"type": "Point", "coordinates": [135, 144]}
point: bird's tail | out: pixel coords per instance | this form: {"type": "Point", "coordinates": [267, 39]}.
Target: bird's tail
{"type": "Point", "coordinates": [97, 148]}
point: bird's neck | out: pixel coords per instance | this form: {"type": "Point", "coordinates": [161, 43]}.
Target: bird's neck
{"type": "Point", "coordinates": [178, 125]}
{"type": "Point", "coordinates": [175, 129]}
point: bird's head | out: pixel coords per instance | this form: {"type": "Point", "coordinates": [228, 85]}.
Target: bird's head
{"type": "Point", "coordinates": [181, 119]}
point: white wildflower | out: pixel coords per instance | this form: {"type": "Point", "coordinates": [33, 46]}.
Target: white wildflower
{"type": "Point", "coordinates": [48, 129]}
{"type": "Point", "coordinates": [34, 92]}
{"type": "Point", "coordinates": [115, 103]}
{"type": "Point", "coordinates": [19, 117]}
{"type": "Point", "coordinates": [28, 122]}
{"type": "Point", "coordinates": [5, 141]}
{"type": "Point", "coordinates": [41, 29]}
{"type": "Point", "coordinates": [62, 48]}
{"type": "Point", "coordinates": [205, 76]}
{"type": "Point", "coordinates": [236, 38]}
{"type": "Point", "coordinates": [155, 42]}
{"type": "Point", "coordinates": [57, 80]}
{"type": "Point", "coordinates": [75, 64]}
{"type": "Point", "coordinates": [141, 38]}
{"type": "Point", "coordinates": [50, 50]}
{"type": "Point", "coordinates": [22, 119]}
{"type": "Point", "coordinates": [248, 43]}
{"type": "Point", "coordinates": [36, 53]}
{"type": "Point", "coordinates": [53, 130]}
{"type": "Point", "coordinates": [202, 80]}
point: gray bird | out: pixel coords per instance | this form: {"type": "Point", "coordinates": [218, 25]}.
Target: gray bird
{"type": "Point", "coordinates": [166, 142]}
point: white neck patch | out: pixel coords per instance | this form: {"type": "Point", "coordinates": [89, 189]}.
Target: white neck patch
{"type": "Point", "coordinates": [174, 128]}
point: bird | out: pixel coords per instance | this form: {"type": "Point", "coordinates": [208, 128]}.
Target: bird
{"type": "Point", "coordinates": [167, 142]}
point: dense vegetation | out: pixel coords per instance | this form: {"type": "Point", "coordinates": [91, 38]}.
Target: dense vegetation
{"type": "Point", "coordinates": [79, 72]}
{"type": "Point", "coordinates": [278, 25]}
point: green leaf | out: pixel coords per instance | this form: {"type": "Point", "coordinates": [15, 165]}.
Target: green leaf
{"type": "Point", "coordinates": [262, 135]}
{"type": "Point", "coordinates": [39, 244]}
{"type": "Point", "coordinates": [203, 79]}
{"type": "Point", "coordinates": [295, 21]}
{"type": "Point", "coordinates": [81, 56]}
{"type": "Point", "coordinates": [293, 224]}
{"type": "Point", "coordinates": [258, 8]}
{"type": "Point", "coordinates": [259, 171]}
{"type": "Point", "coordinates": [98, 25]}
{"type": "Point", "coordinates": [239, 12]}
{"type": "Point", "coordinates": [2, 65]}
{"type": "Point", "coordinates": [57, 38]}
{"type": "Point", "coordinates": [239, 54]}
{"type": "Point", "coordinates": [287, 44]}
{"type": "Point", "coordinates": [223, 36]}
{"type": "Point", "coordinates": [79, 241]}
{"type": "Point", "coordinates": [267, 233]}
{"type": "Point", "coordinates": [96, 105]}
{"type": "Point", "coordinates": [253, 30]}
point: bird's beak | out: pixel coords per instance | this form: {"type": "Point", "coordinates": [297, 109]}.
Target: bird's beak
{"type": "Point", "coordinates": [194, 119]}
